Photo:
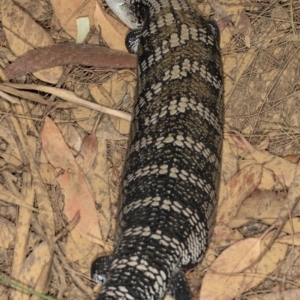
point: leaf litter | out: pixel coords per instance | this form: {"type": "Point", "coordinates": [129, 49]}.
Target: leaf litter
{"type": "Point", "coordinates": [61, 162]}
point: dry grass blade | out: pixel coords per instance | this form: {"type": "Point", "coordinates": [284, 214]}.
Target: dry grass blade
{"type": "Point", "coordinates": [25, 95]}
{"type": "Point", "coordinates": [71, 97]}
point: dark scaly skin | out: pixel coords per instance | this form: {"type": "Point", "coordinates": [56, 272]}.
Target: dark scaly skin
{"type": "Point", "coordinates": [171, 175]}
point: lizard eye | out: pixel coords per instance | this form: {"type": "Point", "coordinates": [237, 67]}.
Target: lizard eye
{"type": "Point", "coordinates": [100, 268]}
{"type": "Point", "coordinates": [99, 278]}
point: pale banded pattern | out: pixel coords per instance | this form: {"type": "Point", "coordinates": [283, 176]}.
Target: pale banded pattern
{"type": "Point", "coordinates": [171, 176]}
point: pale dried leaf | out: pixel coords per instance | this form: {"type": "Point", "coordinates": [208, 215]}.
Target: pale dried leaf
{"type": "Point", "coordinates": [122, 126]}
{"type": "Point", "coordinates": [268, 180]}
{"type": "Point", "coordinates": [33, 267]}
{"type": "Point", "coordinates": [236, 66]}
{"type": "Point", "coordinates": [7, 233]}
{"type": "Point", "coordinates": [235, 258]}
{"type": "Point", "coordinates": [292, 294]}
{"type": "Point", "coordinates": [235, 140]}
{"type": "Point", "coordinates": [282, 169]}
{"type": "Point", "coordinates": [11, 155]}
{"type": "Point", "coordinates": [23, 34]}
{"type": "Point", "coordinates": [292, 226]}
{"type": "Point", "coordinates": [100, 94]}
{"type": "Point", "coordinates": [98, 175]}
{"type": "Point", "coordinates": [229, 66]}
{"type": "Point", "coordinates": [119, 89]}
{"type": "Point", "coordinates": [85, 117]}
{"type": "Point", "coordinates": [261, 204]}
{"type": "Point", "coordinates": [106, 130]}
{"type": "Point", "coordinates": [114, 90]}
{"type": "Point", "coordinates": [78, 246]}
{"type": "Point", "coordinates": [243, 24]}
{"type": "Point", "coordinates": [229, 161]}
{"type": "Point", "coordinates": [264, 144]}
{"type": "Point", "coordinates": [219, 9]}
{"type": "Point", "coordinates": [112, 31]}
{"type": "Point", "coordinates": [224, 235]}
{"type": "Point", "coordinates": [78, 197]}
{"type": "Point", "coordinates": [239, 188]}
{"type": "Point", "coordinates": [8, 197]}
{"type": "Point", "coordinates": [47, 173]}
{"type": "Point", "coordinates": [223, 192]}
{"type": "Point", "coordinates": [68, 13]}
{"type": "Point", "coordinates": [71, 135]}
{"type": "Point", "coordinates": [83, 28]}
{"type": "Point", "coordinates": [291, 239]}
{"type": "Point", "coordinates": [270, 261]}
{"type": "Point", "coordinates": [293, 158]}
{"type": "Point", "coordinates": [11, 160]}
{"type": "Point", "coordinates": [88, 152]}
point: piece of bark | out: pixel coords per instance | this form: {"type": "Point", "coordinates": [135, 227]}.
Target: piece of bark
{"type": "Point", "coordinates": [65, 54]}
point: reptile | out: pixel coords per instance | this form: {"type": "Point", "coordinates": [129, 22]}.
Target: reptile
{"type": "Point", "coordinates": [171, 175]}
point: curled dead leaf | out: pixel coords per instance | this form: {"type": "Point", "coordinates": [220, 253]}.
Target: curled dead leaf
{"type": "Point", "coordinates": [239, 188]}
{"type": "Point", "coordinates": [235, 258]}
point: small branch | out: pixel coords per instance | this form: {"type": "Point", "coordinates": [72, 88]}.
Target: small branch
{"type": "Point", "coordinates": [66, 54]}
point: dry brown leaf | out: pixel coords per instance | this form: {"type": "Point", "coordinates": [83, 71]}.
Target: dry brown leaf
{"type": "Point", "coordinates": [235, 258]}
{"type": "Point", "coordinates": [78, 197]}
{"type": "Point", "coordinates": [235, 66]}
{"type": "Point", "coordinates": [282, 169]}
{"type": "Point", "coordinates": [224, 235]}
{"type": "Point", "coordinates": [37, 9]}
{"type": "Point", "coordinates": [7, 233]}
{"type": "Point", "coordinates": [33, 268]}
{"type": "Point", "coordinates": [293, 158]}
{"type": "Point", "coordinates": [219, 9]}
{"type": "Point", "coordinates": [262, 204]}
{"type": "Point", "coordinates": [68, 13]}
{"type": "Point", "coordinates": [223, 193]}
{"type": "Point", "coordinates": [120, 87]}
{"type": "Point", "coordinates": [98, 175]}
{"type": "Point", "coordinates": [79, 247]}
{"type": "Point", "coordinates": [85, 117]}
{"type": "Point", "coordinates": [123, 126]}
{"type": "Point", "coordinates": [23, 34]}
{"type": "Point", "coordinates": [229, 161]}
{"type": "Point", "coordinates": [23, 237]}
{"type": "Point", "coordinates": [270, 261]}
{"type": "Point", "coordinates": [88, 152]}
{"type": "Point", "coordinates": [291, 239]}
{"type": "Point", "coordinates": [268, 180]}
{"type": "Point", "coordinates": [47, 173]}
{"type": "Point", "coordinates": [235, 140]}
{"type": "Point", "coordinates": [113, 91]}
{"type": "Point", "coordinates": [264, 144]}
{"type": "Point", "coordinates": [11, 160]}
{"type": "Point", "coordinates": [239, 188]}
{"type": "Point", "coordinates": [72, 136]}
{"type": "Point", "coordinates": [292, 294]}
{"type": "Point", "coordinates": [292, 226]}
{"type": "Point", "coordinates": [8, 197]}
{"type": "Point", "coordinates": [112, 31]}
{"type": "Point", "coordinates": [243, 24]}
